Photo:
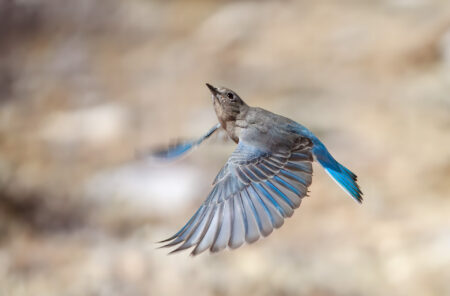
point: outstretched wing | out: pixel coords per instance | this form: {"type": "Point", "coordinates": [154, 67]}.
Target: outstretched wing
{"type": "Point", "coordinates": [252, 194]}
{"type": "Point", "coordinates": [179, 149]}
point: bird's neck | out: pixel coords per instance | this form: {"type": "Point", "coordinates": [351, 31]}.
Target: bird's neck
{"type": "Point", "coordinates": [233, 125]}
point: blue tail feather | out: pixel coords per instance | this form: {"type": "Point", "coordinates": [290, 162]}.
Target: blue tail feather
{"type": "Point", "coordinates": [343, 176]}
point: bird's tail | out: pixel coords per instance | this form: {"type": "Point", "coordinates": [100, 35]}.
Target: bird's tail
{"type": "Point", "coordinates": [339, 173]}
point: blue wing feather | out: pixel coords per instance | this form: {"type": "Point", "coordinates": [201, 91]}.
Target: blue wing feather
{"type": "Point", "coordinates": [181, 148]}
{"type": "Point", "coordinates": [258, 187]}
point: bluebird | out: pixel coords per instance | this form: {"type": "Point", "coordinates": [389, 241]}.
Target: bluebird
{"type": "Point", "coordinates": [263, 181]}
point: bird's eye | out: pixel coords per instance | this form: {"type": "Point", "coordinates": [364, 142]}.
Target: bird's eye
{"type": "Point", "coordinates": [230, 95]}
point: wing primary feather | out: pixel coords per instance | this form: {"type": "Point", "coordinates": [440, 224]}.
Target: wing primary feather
{"type": "Point", "coordinates": [287, 205]}
{"type": "Point", "coordinates": [181, 231]}
{"type": "Point", "coordinates": [292, 196]}
{"type": "Point", "coordinates": [252, 207]}
{"type": "Point", "coordinates": [274, 209]}
{"type": "Point", "coordinates": [297, 185]}
{"type": "Point", "coordinates": [223, 233]}
{"type": "Point", "coordinates": [265, 218]}
{"type": "Point", "coordinates": [272, 200]}
{"type": "Point", "coordinates": [279, 193]}
{"type": "Point", "coordinates": [209, 232]}
{"type": "Point", "coordinates": [287, 185]}
{"type": "Point", "coordinates": [251, 218]}
{"type": "Point", "coordinates": [239, 207]}
{"type": "Point", "coordinates": [239, 224]}
{"type": "Point", "coordinates": [182, 236]}
{"type": "Point", "coordinates": [294, 177]}
{"type": "Point", "coordinates": [219, 225]}
{"type": "Point", "coordinates": [192, 238]}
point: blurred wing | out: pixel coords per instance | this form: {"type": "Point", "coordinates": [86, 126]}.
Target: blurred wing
{"type": "Point", "coordinates": [252, 194]}
{"type": "Point", "coordinates": [181, 148]}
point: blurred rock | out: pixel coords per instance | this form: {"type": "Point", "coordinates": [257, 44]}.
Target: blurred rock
{"type": "Point", "coordinates": [154, 190]}
{"type": "Point", "coordinates": [445, 48]}
{"type": "Point", "coordinates": [95, 126]}
{"type": "Point", "coordinates": [83, 84]}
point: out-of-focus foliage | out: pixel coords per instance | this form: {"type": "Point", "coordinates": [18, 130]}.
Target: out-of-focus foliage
{"type": "Point", "coordinates": [84, 84]}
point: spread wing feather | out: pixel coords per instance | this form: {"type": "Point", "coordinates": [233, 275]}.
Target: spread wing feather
{"type": "Point", "coordinates": [252, 195]}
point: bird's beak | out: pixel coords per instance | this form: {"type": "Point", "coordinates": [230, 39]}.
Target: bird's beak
{"type": "Point", "coordinates": [212, 89]}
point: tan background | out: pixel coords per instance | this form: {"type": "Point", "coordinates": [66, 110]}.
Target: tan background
{"type": "Point", "coordinates": [83, 84]}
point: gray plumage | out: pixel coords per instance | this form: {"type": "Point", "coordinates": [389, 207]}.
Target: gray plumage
{"type": "Point", "coordinates": [263, 181]}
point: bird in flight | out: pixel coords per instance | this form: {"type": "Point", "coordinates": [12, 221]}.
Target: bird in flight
{"type": "Point", "coordinates": [263, 181]}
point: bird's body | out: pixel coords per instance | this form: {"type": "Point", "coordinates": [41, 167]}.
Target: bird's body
{"type": "Point", "coordinates": [261, 126]}
{"type": "Point", "coordinates": [263, 181]}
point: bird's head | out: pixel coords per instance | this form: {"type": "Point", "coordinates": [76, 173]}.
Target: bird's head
{"type": "Point", "coordinates": [227, 104]}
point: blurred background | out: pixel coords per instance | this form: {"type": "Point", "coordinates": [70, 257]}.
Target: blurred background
{"type": "Point", "coordinates": [84, 84]}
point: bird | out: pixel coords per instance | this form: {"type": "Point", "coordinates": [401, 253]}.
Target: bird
{"type": "Point", "coordinates": [263, 181]}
